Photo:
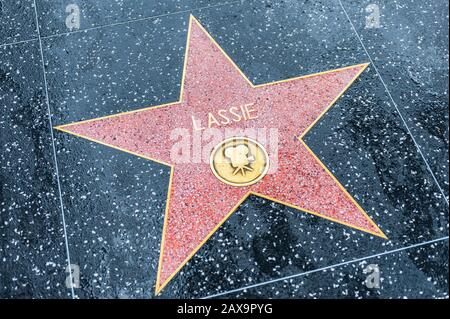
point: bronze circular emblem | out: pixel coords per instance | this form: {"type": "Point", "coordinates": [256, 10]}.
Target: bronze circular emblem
{"type": "Point", "coordinates": [239, 161]}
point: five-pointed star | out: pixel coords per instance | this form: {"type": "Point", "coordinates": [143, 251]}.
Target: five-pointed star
{"type": "Point", "coordinates": [198, 202]}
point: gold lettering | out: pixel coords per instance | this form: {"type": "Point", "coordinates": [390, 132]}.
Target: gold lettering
{"type": "Point", "coordinates": [237, 117]}
{"type": "Point", "coordinates": [243, 112]}
{"type": "Point", "coordinates": [250, 111]}
{"type": "Point", "coordinates": [212, 120]}
{"type": "Point", "coordinates": [222, 114]}
{"type": "Point", "coordinates": [227, 116]}
{"type": "Point", "coordinates": [194, 123]}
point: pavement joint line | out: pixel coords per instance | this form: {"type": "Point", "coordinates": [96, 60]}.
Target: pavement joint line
{"type": "Point", "coordinates": [141, 19]}
{"type": "Point", "coordinates": [66, 241]}
{"type": "Point", "coordinates": [429, 242]}
{"type": "Point", "coordinates": [121, 23]}
{"type": "Point", "coordinates": [395, 104]}
{"type": "Point", "coordinates": [18, 42]}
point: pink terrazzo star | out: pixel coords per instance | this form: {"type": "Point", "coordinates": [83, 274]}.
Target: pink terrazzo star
{"type": "Point", "coordinates": [198, 202]}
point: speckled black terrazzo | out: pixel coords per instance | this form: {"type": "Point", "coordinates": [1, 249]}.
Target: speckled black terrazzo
{"type": "Point", "coordinates": [32, 252]}
{"type": "Point", "coordinates": [113, 69]}
{"type": "Point", "coordinates": [115, 212]}
{"type": "Point", "coordinates": [114, 202]}
{"type": "Point", "coordinates": [17, 21]}
{"type": "Point", "coordinates": [415, 273]}
{"type": "Point", "coordinates": [411, 53]}
{"type": "Point", "coordinates": [99, 13]}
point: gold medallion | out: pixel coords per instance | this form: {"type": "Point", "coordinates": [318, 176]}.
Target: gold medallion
{"type": "Point", "coordinates": [239, 161]}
